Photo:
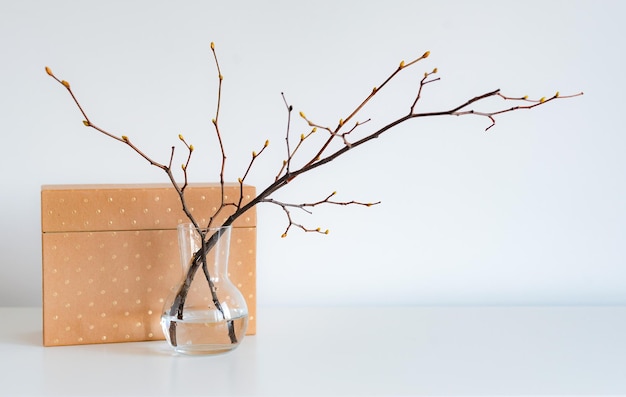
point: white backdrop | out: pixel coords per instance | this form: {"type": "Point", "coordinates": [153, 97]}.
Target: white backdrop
{"type": "Point", "coordinates": [532, 212]}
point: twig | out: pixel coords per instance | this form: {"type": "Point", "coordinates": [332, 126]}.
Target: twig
{"type": "Point", "coordinates": [304, 207]}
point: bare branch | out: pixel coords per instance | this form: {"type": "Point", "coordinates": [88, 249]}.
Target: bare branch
{"type": "Point", "coordinates": [423, 82]}
{"type": "Point", "coordinates": [375, 90]}
{"type": "Point", "coordinates": [288, 130]}
{"type": "Point", "coordinates": [305, 207]}
{"type": "Point", "coordinates": [218, 134]}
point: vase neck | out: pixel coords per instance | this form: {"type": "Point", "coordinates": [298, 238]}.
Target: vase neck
{"type": "Point", "coordinates": [216, 247]}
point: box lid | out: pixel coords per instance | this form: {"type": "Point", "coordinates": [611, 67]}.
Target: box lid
{"type": "Point", "coordinates": [106, 207]}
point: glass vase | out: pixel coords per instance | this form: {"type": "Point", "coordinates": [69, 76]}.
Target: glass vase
{"type": "Point", "coordinates": [205, 313]}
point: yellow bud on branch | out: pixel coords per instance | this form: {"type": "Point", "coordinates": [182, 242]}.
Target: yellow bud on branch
{"type": "Point", "coordinates": [125, 138]}
{"type": "Point", "coordinates": [49, 71]}
{"type": "Point", "coordinates": [86, 123]}
{"type": "Point", "coordinates": [401, 64]}
{"type": "Point", "coordinates": [267, 143]}
{"type": "Point", "coordinates": [212, 45]}
{"type": "Point", "coordinates": [542, 100]}
{"type": "Point", "coordinates": [66, 84]}
{"type": "Point", "coordinates": [191, 148]}
{"type": "Point", "coordinates": [302, 115]}
{"type": "Point", "coordinates": [426, 54]}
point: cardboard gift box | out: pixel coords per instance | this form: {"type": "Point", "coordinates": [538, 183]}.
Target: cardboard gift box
{"type": "Point", "coordinates": [110, 257]}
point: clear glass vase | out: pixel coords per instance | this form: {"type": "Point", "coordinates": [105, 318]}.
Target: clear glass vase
{"type": "Point", "coordinates": [205, 313]}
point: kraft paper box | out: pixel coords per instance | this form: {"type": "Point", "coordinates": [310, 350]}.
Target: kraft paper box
{"type": "Point", "coordinates": [110, 257]}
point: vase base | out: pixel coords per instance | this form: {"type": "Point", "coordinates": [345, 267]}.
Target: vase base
{"type": "Point", "coordinates": [199, 333]}
{"type": "Point", "coordinates": [204, 350]}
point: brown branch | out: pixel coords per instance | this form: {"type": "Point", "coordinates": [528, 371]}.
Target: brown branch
{"type": "Point", "coordinates": [185, 165]}
{"type": "Point", "coordinates": [286, 163]}
{"type": "Point", "coordinates": [344, 135]}
{"type": "Point", "coordinates": [359, 107]}
{"type": "Point", "coordinates": [423, 82]}
{"type": "Point", "coordinates": [491, 115]}
{"type": "Point", "coordinates": [286, 178]}
{"type": "Point", "coordinates": [318, 161]}
{"type": "Point", "coordinates": [245, 175]}
{"type": "Point", "coordinates": [223, 203]}
{"type": "Point", "coordinates": [304, 207]}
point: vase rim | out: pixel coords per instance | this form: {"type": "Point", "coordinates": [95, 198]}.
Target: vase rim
{"type": "Point", "coordinates": [189, 225]}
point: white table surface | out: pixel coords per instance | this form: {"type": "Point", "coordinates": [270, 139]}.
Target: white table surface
{"type": "Point", "coordinates": [399, 351]}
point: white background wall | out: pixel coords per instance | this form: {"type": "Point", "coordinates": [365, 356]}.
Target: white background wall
{"type": "Point", "coordinates": [532, 212]}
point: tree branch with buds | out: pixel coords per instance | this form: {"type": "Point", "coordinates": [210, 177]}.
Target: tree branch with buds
{"type": "Point", "coordinates": [345, 135]}
{"type": "Point", "coordinates": [305, 206]}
